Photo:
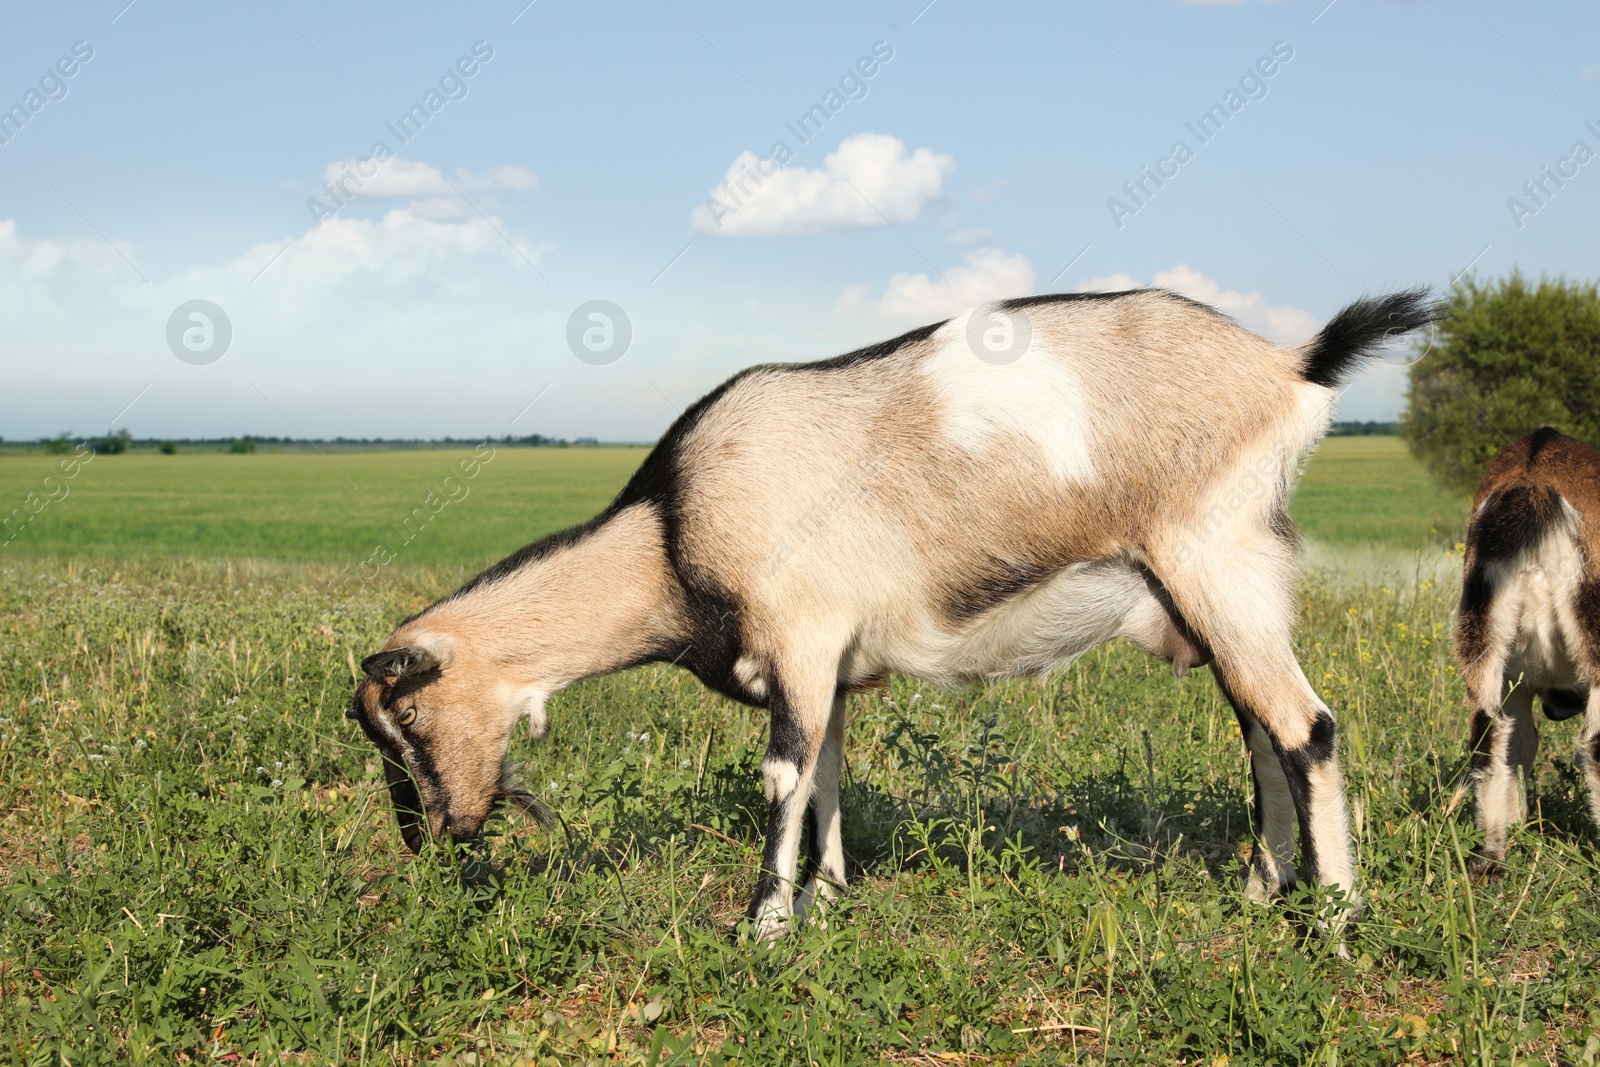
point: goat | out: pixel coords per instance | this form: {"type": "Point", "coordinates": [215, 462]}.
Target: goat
{"type": "Point", "coordinates": [1529, 622]}
{"type": "Point", "coordinates": [921, 506]}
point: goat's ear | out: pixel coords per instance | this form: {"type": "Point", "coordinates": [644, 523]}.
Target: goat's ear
{"type": "Point", "coordinates": [400, 663]}
{"type": "Point", "coordinates": [528, 702]}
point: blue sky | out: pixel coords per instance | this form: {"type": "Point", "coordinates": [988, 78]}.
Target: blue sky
{"type": "Point", "coordinates": [979, 159]}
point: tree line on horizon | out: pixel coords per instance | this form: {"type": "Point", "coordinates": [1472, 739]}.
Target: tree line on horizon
{"type": "Point", "coordinates": [121, 441]}
{"type": "Point", "coordinates": [1506, 357]}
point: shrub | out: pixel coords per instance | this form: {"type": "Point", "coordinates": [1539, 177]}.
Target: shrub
{"type": "Point", "coordinates": [1510, 356]}
{"type": "Point", "coordinates": [241, 446]}
{"type": "Point", "coordinates": [112, 444]}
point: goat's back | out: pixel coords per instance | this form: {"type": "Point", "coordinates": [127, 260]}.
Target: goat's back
{"type": "Point", "coordinates": [1531, 576]}
{"type": "Point", "coordinates": [918, 458]}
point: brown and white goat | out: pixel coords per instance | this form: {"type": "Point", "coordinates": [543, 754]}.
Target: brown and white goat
{"type": "Point", "coordinates": [1529, 622]}
{"type": "Point", "coordinates": [921, 506]}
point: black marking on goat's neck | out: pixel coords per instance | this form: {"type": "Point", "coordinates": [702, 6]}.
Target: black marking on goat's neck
{"type": "Point", "coordinates": [710, 644]}
{"type": "Point", "coordinates": [713, 646]}
{"type": "Point", "coordinates": [522, 557]}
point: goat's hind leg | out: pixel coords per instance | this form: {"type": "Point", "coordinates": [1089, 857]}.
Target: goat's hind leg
{"type": "Point", "coordinates": [1239, 599]}
{"type": "Point", "coordinates": [1589, 752]}
{"type": "Point", "coordinates": [1272, 870]}
{"type": "Point", "coordinates": [1505, 740]}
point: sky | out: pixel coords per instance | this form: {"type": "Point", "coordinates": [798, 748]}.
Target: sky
{"type": "Point", "coordinates": [397, 219]}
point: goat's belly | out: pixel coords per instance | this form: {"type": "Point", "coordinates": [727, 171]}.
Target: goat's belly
{"type": "Point", "coordinates": [1041, 630]}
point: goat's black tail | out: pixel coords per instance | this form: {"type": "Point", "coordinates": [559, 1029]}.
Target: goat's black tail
{"type": "Point", "coordinates": [1353, 336]}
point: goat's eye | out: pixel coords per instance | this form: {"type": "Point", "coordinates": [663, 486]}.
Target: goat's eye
{"type": "Point", "coordinates": [406, 717]}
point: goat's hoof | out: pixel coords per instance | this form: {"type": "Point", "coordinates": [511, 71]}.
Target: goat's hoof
{"type": "Point", "coordinates": [814, 901]}
{"type": "Point", "coordinates": [771, 923]}
{"type": "Point", "coordinates": [1485, 870]}
{"type": "Point", "coordinates": [1264, 890]}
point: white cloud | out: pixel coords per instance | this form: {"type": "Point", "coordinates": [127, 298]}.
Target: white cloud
{"type": "Point", "coordinates": [986, 274]}
{"type": "Point", "coordinates": [407, 179]}
{"type": "Point", "coordinates": [1589, 73]}
{"type": "Point", "coordinates": [406, 244]}
{"type": "Point", "coordinates": [1282, 323]}
{"type": "Point", "coordinates": [436, 227]}
{"type": "Point", "coordinates": [1110, 283]}
{"type": "Point", "coordinates": [24, 260]}
{"type": "Point", "coordinates": [427, 251]}
{"type": "Point", "coordinates": [48, 282]}
{"type": "Point", "coordinates": [869, 181]}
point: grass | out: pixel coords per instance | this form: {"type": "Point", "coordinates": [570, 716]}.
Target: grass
{"type": "Point", "coordinates": [198, 863]}
{"type": "Point", "coordinates": [1367, 491]}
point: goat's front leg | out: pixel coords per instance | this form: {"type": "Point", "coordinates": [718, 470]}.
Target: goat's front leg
{"type": "Point", "coordinates": [826, 876]}
{"type": "Point", "coordinates": [789, 773]}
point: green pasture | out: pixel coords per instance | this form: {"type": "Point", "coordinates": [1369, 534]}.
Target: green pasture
{"type": "Point", "coordinates": [197, 863]}
{"type": "Point", "coordinates": [327, 508]}
{"type": "Point", "coordinates": [335, 508]}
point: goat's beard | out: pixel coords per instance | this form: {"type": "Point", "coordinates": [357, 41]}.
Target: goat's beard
{"type": "Point", "coordinates": [513, 793]}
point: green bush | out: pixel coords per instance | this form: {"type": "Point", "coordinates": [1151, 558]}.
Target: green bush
{"type": "Point", "coordinates": [112, 444]}
{"type": "Point", "coordinates": [242, 445]}
{"type": "Point", "coordinates": [169, 448]}
{"type": "Point", "coordinates": [1510, 356]}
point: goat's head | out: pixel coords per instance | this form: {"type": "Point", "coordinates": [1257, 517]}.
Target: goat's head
{"type": "Point", "coordinates": [442, 721]}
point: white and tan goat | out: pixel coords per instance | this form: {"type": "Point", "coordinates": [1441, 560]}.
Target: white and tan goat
{"type": "Point", "coordinates": [931, 506]}
{"type": "Point", "coordinates": [1529, 622]}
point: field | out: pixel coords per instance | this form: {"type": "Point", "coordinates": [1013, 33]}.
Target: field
{"type": "Point", "coordinates": [199, 864]}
